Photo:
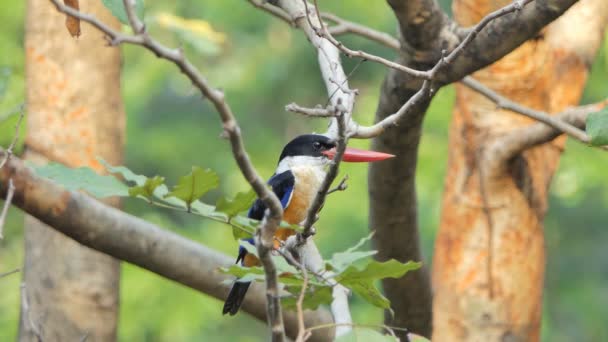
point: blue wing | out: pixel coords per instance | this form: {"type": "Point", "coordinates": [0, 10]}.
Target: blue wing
{"type": "Point", "coordinates": [282, 185]}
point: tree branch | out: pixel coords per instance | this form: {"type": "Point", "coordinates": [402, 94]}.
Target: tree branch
{"type": "Point", "coordinates": [266, 231]}
{"type": "Point", "coordinates": [9, 151]}
{"type": "Point", "coordinates": [129, 238]}
{"type": "Point", "coordinates": [519, 140]}
{"type": "Point", "coordinates": [344, 26]}
{"type": "Point", "coordinates": [272, 10]}
{"type": "Point", "coordinates": [503, 34]}
{"type": "Point", "coordinates": [313, 112]}
{"type": "Point", "coordinates": [504, 103]}
{"type": "Point", "coordinates": [7, 203]}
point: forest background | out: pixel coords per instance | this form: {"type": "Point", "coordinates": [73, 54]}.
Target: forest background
{"type": "Point", "coordinates": [262, 65]}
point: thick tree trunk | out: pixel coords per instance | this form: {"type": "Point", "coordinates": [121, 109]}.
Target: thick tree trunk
{"type": "Point", "coordinates": [489, 255]}
{"type": "Point", "coordinates": [75, 113]}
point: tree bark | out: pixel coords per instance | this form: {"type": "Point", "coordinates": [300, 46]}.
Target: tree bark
{"type": "Point", "coordinates": [489, 255]}
{"type": "Point", "coordinates": [75, 114]}
{"type": "Point", "coordinates": [426, 31]}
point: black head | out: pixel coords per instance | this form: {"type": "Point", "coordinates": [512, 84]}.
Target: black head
{"type": "Point", "coordinates": [312, 145]}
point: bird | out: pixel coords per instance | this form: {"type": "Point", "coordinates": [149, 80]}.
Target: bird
{"type": "Point", "coordinates": [301, 170]}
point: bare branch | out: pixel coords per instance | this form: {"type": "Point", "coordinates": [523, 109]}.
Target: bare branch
{"type": "Point", "coordinates": [341, 186]}
{"type": "Point", "coordinates": [314, 112]}
{"type": "Point", "coordinates": [2, 275]}
{"type": "Point", "coordinates": [329, 178]}
{"type": "Point", "coordinates": [266, 231]}
{"type": "Point", "coordinates": [536, 134]}
{"type": "Point", "coordinates": [367, 132]}
{"type": "Point", "coordinates": [504, 103]}
{"type": "Point", "coordinates": [517, 5]}
{"type": "Point", "coordinates": [30, 324]}
{"type": "Point", "coordinates": [322, 32]}
{"type": "Point", "coordinates": [344, 26]}
{"type": "Point", "coordinates": [272, 10]}
{"type": "Point", "coordinates": [7, 203]}
{"type": "Point", "coordinates": [9, 150]}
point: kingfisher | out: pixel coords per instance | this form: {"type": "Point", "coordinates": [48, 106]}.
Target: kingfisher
{"type": "Point", "coordinates": [301, 169]}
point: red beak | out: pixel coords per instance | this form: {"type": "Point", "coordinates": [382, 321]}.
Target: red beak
{"type": "Point", "coordinates": [355, 155]}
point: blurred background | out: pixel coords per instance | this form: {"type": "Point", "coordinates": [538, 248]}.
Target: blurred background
{"type": "Point", "coordinates": [263, 65]}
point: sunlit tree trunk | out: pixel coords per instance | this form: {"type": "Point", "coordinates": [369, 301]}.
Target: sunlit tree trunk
{"type": "Point", "coordinates": [490, 256]}
{"type": "Point", "coordinates": [75, 114]}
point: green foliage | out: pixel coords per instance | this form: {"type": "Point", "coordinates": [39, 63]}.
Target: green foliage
{"type": "Point", "coordinates": [147, 189]}
{"type": "Point", "coordinates": [597, 127]}
{"type": "Point", "coordinates": [153, 190]}
{"type": "Point", "coordinates": [82, 178]}
{"type": "Point", "coordinates": [314, 297]}
{"type": "Point", "coordinates": [360, 279]}
{"type": "Point", "coordinates": [194, 185]}
{"type": "Point", "coordinates": [241, 202]}
{"type": "Point", "coordinates": [117, 9]}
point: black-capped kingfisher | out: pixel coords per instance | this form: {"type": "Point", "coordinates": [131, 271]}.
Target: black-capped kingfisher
{"type": "Point", "coordinates": [302, 167]}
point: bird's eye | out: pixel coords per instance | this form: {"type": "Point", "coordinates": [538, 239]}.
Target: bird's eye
{"type": "Point", "coordinates": [316, 145]}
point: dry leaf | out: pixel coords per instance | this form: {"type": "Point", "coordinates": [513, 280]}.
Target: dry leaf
{"type": "Point", "coordinates": [71, 23]}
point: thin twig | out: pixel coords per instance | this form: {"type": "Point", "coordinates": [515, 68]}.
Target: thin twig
{"type": "Point", "coordinates": [344, 26]}
{"type": "Point", "coordinates": [367, 132]}
{"type": "Point", "coordinates": [341, 186]}
{"type": "Point", "coordinates": [427, 89]}
{"type": "Point", "coordinates": [29, 323]}
{"type": "Point", "coordinates": [518, 140]}
{"type": "Point", "coordinates": [323, 32]}
{"type": "Point", "coordinates": [272, 10]}
{"type": "Point", "coordinates": [303, 334]}
{"type": "Point", "coordinates": [7, 204]}
{"type": "Point", "coordinates": [320, 112]}
{"type": "Point", "coordinates": [274, 213]}
{"type": "Point", "coordinates": [9, 150]}
{"type": "Point", "coordinates": [317, 203]}
{"type": "Point", "coordinates": [16, 270]}
{"type": "Point", "coordinates": [513, 7]}
{"type": "Point", "coordinates": [505, 103]}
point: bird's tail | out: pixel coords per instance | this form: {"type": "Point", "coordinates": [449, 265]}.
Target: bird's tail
{"type": "Point", "coordinates": [235, 298]}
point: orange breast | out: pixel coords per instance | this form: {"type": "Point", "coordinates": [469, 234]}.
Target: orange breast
{"type": "Point", "coordinates": [304, 192]}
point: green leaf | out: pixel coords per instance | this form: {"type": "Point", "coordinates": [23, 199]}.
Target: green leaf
{"type": "Point", "coordinates": [367, 335]}
{"type": "Point", "coordinates": [244, 273]}
{"type": "Point", "coordinates": [370, 293]}
{"type": "Point", "coordinates": [147, 190]}
{"type": "Point", "coordinates": [194, 185]}
{"type": "Point", "coordinates": [360, 243]}
{"type": "Point", "coordinates": [361, 279]}
{"type": "Point", "coordinates": [243, 227]}
{"type": "Point", "coordinates": [117, 9]}
{"type": "Point", "coordinates": [127, 174]}
{"type": "Point", "coordinates": [375, 270]}
{"type": "Point", "coordinates": [241, 202]}
{"type": "Point", "coordinates": [313, 298]}
{"type": "Point", "coordinates": [82, 178]}
{"type": "Point", "coordinates": [597, 127]}
{"type": "Point", "coordinates": [339, 261]}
